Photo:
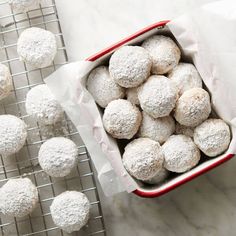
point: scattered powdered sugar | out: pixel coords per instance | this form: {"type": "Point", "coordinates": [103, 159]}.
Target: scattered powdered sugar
{"type": "Point", "coordinates": [193, 107]}
{"type": "Point", "coordinates": [143, 158]}
{"type": "Point", "coordinates": [160, 176]}
{"type": "Point", "coordinates": [37, 47]}
{"type": "Point", "coordinates": [212, 137]}
{"type": "Point", "coordinates": [164, 52]}
{"type": "Point", "coordinates": [58, 156]}
{"type": "Point", "coordinates": [18, 197]}
{"type": "Point", "coordinates": [180, 153]}
{"type": "Point", "coordinates": [70, 211]}
{"type": "Point", "coordinates": [103, 87]}
{"type": "Point", "coordinates": [122, 119]}
{"type": "Point", "coordinates": [24, 5]}
{"type": "Point", "coordinates": [42, 105]}
{"type": "Point", "coordinates": [5, 81]}
{"type": "Point", "coordinates": [158, 129]}
{"type": "Point", "coordinates": [186, 77]}
{"type": "Point", "coordinates": [181, 129]}
{"type": "Point", "coordinates": [13, 133]}
{"type": "Point", "coordinates": [157, 96]}
{"type": "Point", "coordinates": [130, 66]}
{"type": "Point", "coordinates": [132, 95]}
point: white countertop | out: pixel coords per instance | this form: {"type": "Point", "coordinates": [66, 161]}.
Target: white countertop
{"type": "Point", "coordinates": [205, 206]}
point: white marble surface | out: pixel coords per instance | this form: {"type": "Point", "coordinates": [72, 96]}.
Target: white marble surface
{"type": "Point", "coordinates": [205, 206]}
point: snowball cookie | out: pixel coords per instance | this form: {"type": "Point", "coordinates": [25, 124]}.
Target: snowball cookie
{"type": "Point", "coordinates": [159, 129]}
{"type": "Point", "coordinates": [193, 107]}
{"type": "Point", "coordinates": [180, 153]}
{"type": "Point", "coordinates": [102, 87]}
{"type": "Point", "coordinates": [164, 52]}
{"type": "Point", "coordinates": [212, 137]}
{"type": "Point", "coordinates": [130, 66]}
{"type": "Point", "coordinates": [58, 156]}
{"type": "Point", "coordinates": [121, 119]}
{"type": "Point", "coordinates": [24, 5]}
{"type": "Point", "coordinates": [13, 133]}
{"type": "Point", "coordinates": [181, 129]}
{"type": "Point", "coordinates": [157, 96]}
{"type": "Point", "coordinates": [18, 197]}
{"type": "Point", "coordinates": [143, 158]}
{"type": "Point", "coordinates": [42, 105]}
{"type": "Point", "coordinates": [70, 211]}
{"type": "Point", "coordinates": [160, 176]}
{"type": "Point", "coordinates": [37, 47]}
{"type": "Point", "coordinates": [186, 77]}
{"type": "Point", "coordinates": [5, 81]}
{"type": "Point", "coordinates": [132, 95]}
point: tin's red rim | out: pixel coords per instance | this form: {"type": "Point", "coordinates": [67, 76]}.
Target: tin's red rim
{"type": "Point", "coordinates": [125, 40]}
{"type": "Point", "coordinates": [157, 193]}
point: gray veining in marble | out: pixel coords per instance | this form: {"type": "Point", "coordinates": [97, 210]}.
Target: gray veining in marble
{"type": "Point", "coordinates": [205, 206]}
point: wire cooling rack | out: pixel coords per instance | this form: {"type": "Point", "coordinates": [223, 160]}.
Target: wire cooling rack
{"type": "Point", "coordinates": [24, 163]}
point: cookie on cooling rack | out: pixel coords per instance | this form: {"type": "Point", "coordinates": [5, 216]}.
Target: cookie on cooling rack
{"type": "Point", "coordinates": [18, 197]}
{"type": "Point", "coordinates": [41, 105]}
{"type": "Point", "coordinates": [5, 81]}
{"type": "Point", "coordinates": [13, 133]}
{"type": "Point", "coordinates": [70, 211]}
{"type": "Point", "coordinates": [58, 156]}
{"type": "Point", "coordinates": [37, 47]}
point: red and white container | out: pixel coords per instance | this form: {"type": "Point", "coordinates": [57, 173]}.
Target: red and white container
{"type": "Point", "coordinates": [155, 191]}
{"type": "Point", "coordinates": [82, 110]}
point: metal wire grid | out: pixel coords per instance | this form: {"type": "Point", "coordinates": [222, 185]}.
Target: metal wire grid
{"type": "Point", "coordinates": [25, 162]}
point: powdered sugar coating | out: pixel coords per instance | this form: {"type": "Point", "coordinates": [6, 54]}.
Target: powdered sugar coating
{"type": "Point", "coordinates": [186, 77]}
{"type": "Point", "coordinates": [212, 137]}
{"type": "Point", "coordinates": [103, 87]}
{"type": "Point", "coordinates": [180, 153]}
{"type": "Point", "coordinates": [130, 66]}
{"type": "Point", "coordinates": [24, 5]}
{"type": "Point", "coordinates": [164, 52]}
{"type": "Point", "coordinates": [160, 176]}
{"type": "Point", "coordinates": [157, 96]}
{"type": "Point", "coordinates": [132, 95]}
{"type": "Point", "coordinates": [158, 129]}
{"type": "Point", "coordinates": [122, 119]}
{"type": "Point", "coordinates": [70, 211]}
{"type": "Point", "coordinates": [13, 133]}
{"type": "Point", "coordinates": [143, 158]}
{"type": "Point", "coordinates": [181, 129]}
{"type": "Point", "coordinates": [193, 107]}
{"type": "Point", "coordinates": [42, 105]}
{"type": "Point", "coordinates": [5, 81]}
{"type": "Point", "coordinates": [37, 47]}
{"type": "Point", "coordinates": [58, 156]}
{"type": "Point", "coordinates": [18, 197]}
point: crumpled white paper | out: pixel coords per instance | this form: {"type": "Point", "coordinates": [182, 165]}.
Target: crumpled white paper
{"type": "Point", "coordinates": [207, 35]}
{"type": "Point", "coordinates": [69, 87]}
